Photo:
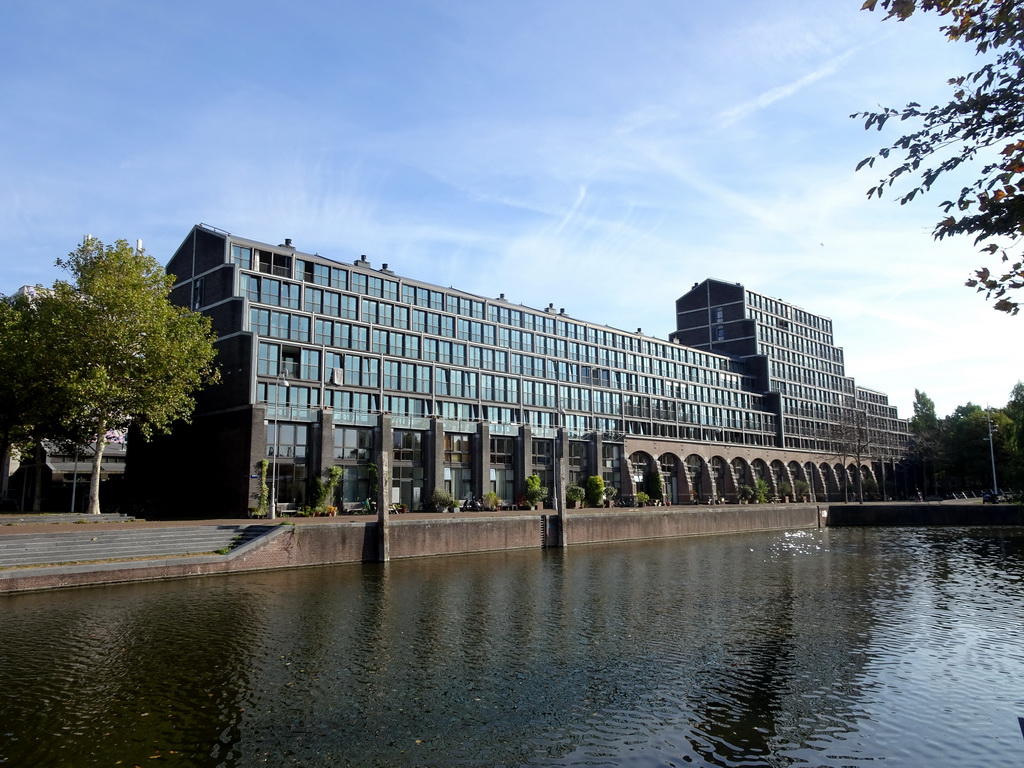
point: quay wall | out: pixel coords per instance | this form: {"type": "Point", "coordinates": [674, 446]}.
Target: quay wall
{"type": "Point", "coordinates": [356, 541]}
{"type": "Point", "coordinates": [924, 514]}
{"type": "Point", "coordinates": [660, 522]}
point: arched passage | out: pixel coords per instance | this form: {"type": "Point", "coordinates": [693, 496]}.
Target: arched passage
{"type": "Point", "coordinates": [668, 464]}
{"type": "Point", "coordinates": [640, 463]}
{"type": "Point", "coordinates": [696, 480]}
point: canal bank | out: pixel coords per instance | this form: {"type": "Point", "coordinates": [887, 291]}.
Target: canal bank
{"type": "Point", "coordinates": [306, 542]}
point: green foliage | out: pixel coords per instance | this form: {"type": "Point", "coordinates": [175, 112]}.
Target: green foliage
{"type": "Point", "coordinates": [802, 488]}
{"type": "Point", "coordinates": [761, 490]}
{"type": "Point", "coordinates": [324, 487]}
{"type": "Point", "coordinates": [575, 494]}
{"type": "Point", "coordinates": [373, 476]}
{"type": "Point", "coordinates": [127, 357]}
{"type": "Point", "coordinates": [535, 492]}
{"type": "Point", "coordinates": [442, 499]}
{"type": "Point", "coordinates": [27, 386]}
{"type": "Point", "coordinates": [785, 489]}
{"type": "Point", "coordinates": [653, 485]}
{"type": "Point", "coordinates": [869, 487]}
{"type": "Point", "coordinates": [491, 500]}
{"type": "Point", "coordinates": [610, 492]}
{"type": "Point", "coordinates": [595, 491]}
{"type": "Point", "coordinates": [982, 125]}
{"type": "Point", "coordinates": [1014, 438]}
{"type": "Point", "coordinates": [642, 498]}
{"type": "Point", "coordinates": [263, 501]}
{"type": "Point", "coordinates": [745, 492]}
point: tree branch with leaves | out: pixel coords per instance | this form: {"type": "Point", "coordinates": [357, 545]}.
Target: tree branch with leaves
{"type": "Point", "coordinates": [983, 124]}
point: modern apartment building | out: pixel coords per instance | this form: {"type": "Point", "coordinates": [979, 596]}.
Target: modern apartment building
{"type": "Point", "coordinates": [327, 363]}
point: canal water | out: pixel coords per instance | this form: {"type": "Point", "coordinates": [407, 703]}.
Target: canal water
{"type": "Point", "coordinates": [842, 647]}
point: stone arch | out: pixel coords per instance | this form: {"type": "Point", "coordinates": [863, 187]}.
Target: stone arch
{"type": "Point", "coordinates": [669, 466]}
{"type": "Point", "coordinates": [760, 470]}
{"type": "Point", "coordinates": [698, 482]}
{"type": "Point", "coordinates": [723, 484]}
{"type": "Point", "coordinates": [814, 481]}
{"type": "Point", "coordinates": [830, 487]}
{"type": "Point", "coordinates": [796, 473]}
{"type": "Point", "coordinates": [779, 475]}
{"type": "Point", "coordinates": [638, 464]}
{"type": "Point", "coordinates": [741, 474]}
{"type": "Point", "coordinates": [843, 483]}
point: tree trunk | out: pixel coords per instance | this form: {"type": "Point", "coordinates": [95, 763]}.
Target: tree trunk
{"type": "Point", "coordinates": [37, 478]}
{"type": "Point", "coordinates": [94, 481]}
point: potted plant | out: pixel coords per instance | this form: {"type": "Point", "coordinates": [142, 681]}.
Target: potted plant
{"type": "Point", "coordinates": [595, 491]}
{"type": "Point", "coordinates": [574, 494]}
{"type": "Point", "coordinates": [610, 491]}
{"type": "Point", "coordinates": [642, 498]}
{"type": "Point", "coordinates": [761, 489]}
{"type": "Point", "coordinates": [535, 492]}
{"type": "Point", "coordinates": [746, 493]}
{"type": "Point", "coordinates": [786, 492]}
{"type": "Point", "coordinates": [802, 489]}
{"type": "Point", "coordinates": [442, 500]}
{"type": "Point", "coordinates": [491, 500]}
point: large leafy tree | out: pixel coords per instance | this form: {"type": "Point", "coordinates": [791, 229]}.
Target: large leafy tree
{"type": "Point", "coordinates": [128, 357]}
{"type": "Point", "coordinates": [26, 385]}
{"type": "Point", "coordinates": [926, 434]}
{"type": "Point", "coordinates": [981, 129]}
{"type": "Point", "coordinates": [968, 454]}
{"type": "Point", "coordinates": [1014, 411]}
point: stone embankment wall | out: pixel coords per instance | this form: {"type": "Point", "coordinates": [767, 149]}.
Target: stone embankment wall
{"type": "Point", "coordinates": [296, 546]}
{"type": "Point", "coordinates": [657, 523]}
{"type": "Point", "coordinates": [924, 514]}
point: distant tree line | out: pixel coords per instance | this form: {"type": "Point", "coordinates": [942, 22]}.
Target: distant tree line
{"type": "Point", "coordinates": [953, 454]}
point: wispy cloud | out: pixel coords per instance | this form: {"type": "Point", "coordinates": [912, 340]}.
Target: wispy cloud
{"type": "Point", "coordinates": [778, 93]}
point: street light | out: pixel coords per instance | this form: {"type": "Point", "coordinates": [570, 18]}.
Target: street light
{"type": "Point", "coordinates": [992, 452]}
{"type": "Point", "coordinates": [281, 382]}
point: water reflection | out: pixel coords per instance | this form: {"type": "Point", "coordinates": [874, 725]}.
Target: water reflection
{"type": "Point", "coordinates": [834, 648]}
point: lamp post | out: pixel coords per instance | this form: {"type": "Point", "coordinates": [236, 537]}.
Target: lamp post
{"type": "Point", "coordinates": [992, 452]}
{"type": "Point", "coordinates": [281, 382]}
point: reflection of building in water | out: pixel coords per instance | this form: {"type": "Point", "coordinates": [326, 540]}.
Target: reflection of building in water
{"type": "Point", "coordinates": [336, 363]}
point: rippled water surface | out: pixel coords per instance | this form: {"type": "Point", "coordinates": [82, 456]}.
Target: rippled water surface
{"type": "Point", "coordinates": [843, 647]}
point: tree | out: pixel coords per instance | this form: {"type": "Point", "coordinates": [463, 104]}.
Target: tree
{"type": "Point", "coordinates": [968, 431]}
{"type": "Point", "coordinates": [850, 436]}
{"type": "Point", "coordinates": [982, 124]}
{"type": "Point", "coordinates": [127, 356]}
{"type": "Point", "coordinates": [926, 437]}
{"type": "Point", "coordinates": [535, 492]}
{"type": "Point", "coordinates": [21, 380]}
{"type": "Point", "coordinates": [29, 387]}
{"type": "Point", "coordinates": [654, 485]}
{"type": "Point", "coordinates": [1015, 436]}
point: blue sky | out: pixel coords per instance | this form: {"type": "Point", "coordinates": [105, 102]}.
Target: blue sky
{"type": "Point", "coordinates": [601, 156]}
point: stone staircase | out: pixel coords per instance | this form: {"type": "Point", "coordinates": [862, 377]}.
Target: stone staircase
{"type": "Point", "coordinates": [35, 549]}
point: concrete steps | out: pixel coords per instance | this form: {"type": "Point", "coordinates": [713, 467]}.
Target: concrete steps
{"type": "Point", "coordinates": [26, 549]}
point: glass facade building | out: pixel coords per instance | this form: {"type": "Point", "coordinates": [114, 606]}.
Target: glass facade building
{"type": "Point", "coordinates": [338, 364]}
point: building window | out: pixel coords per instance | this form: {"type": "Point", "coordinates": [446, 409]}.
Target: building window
{"type": "Point", "coordinates": [352, 444]}
{"type": "Point", "coordinates": [241, 256]}
{"type": "Point", "coordinates": [290, 442]}
{"type": "Point", "coordinates": [408, 446]}
{"type": "Point", "coordinates": [457, 448]}
{"type": "Point", "coordinates": [503, 450]}
{"type": "Point", "coordinates": [577, 462]}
